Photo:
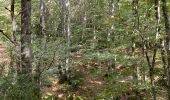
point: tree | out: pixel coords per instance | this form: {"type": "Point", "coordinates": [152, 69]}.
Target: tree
{"type": "Point", "coordinates": [16, 43]}
{"type": "Point", "coordinates": [151, 64]}
{"type": "Point", "coordinates": [135, 30]}
{"type": "Point", "coordinates": [66, 30]}
{"type": "Point", "coordinates": [167, 31]}
{"type": "Point", "coordinates": [111, 33]}
{"type": "Point", "coordinates": [115, 47]}
{"type": "Point", "coordinates": [26, 67]}
{"type": "Point", "coordinates": [42, 42]}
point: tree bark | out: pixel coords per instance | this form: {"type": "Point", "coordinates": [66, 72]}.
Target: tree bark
{"type": "Point", "coordinates": [84, 20]}
{"type": "Point", "coordinates": [111, 31]}
{"type": "Point", "coordinates": [68, 39]}
{"type": "Point", "coordinates": [62, 17]}
{"type": "Point", "coordinates": [163, 54]}
{"type": "Point", "coordinates": [157, 14]}
{"type": "Point", "coordinates": [112, 15]}
{"type": "Point", "coordinates": [136, 29]}
{"type": "Point", "coordinates": [26, 67]}
{"type": "Point", "coordinates": [66, 30]}
{"type": "Point", "coordinates": [167, 30]}
{"type": "Point", "coordinates": [17, 44]}
{"type": "Point", "coordinates": [42, 43]}
{"type": "Point", "coordinates": [26, 36]}
{"type": "Point", "coordinates": [151, 64]}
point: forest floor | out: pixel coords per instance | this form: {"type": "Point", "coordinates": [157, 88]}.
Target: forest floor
{"type": "Point", "coordinates": [90, 86]}
{"type": "Point", "coordinates": [4, 58]}
{"type": "Point", "coordinates": [93, 83]}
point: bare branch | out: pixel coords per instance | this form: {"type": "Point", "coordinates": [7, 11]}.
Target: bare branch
{"type": "Point", "coordinates": [7, 9]}
{"type": "Point", "coordinates": [5, 34]}
{"type": "Point", "coordinates": [49, 66]}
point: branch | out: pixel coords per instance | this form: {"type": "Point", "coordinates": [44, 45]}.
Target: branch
{"type": "Point", "coordinates": [21, 12]}
{"type": "Point", "coordinates": [14, 14]}
{"type": "Point", "coordinates": [7, 9]}
{"type": "Point", "coordinates": [51, 63]}
{"type": "Point", "coordinates": [4, 34]}
{"type": "Point", "coordinates": [49, 66]}
{"type": "Point", "coordinates": [18, 14]}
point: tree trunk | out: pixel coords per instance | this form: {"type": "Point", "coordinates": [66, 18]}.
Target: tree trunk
{"type": "Point", "coordinates": [94, 34]}
{"type": "Point", "coordinates": [157, 14]}
{"type": "Point", "coordinates": [151, 64]}
{"type": "Point", "coordinates": [163, 54]}
{"type": "Point", "coordinates": [167, 30]}
{"type": "Point", "coordinates": [136, 29]}
{"type": "Point", "coordinates": [112, 15]}
{"type": "Point", "coordinates": [62, 17]}
{"type": "Point", "coordinates": [111, 33]}
{"type": "Point", "coordinates": [68, 32]}
{"type": "Point", "coordinates": [42, 43]}
{"type": "Point", "coordinates": [26, 68]}
{"type": "Point", "coordinates": [26, 36]}
{"type": "Point", "coordinates": [17, 45]}
{"type": "Point", "coordinates": [84, 20]}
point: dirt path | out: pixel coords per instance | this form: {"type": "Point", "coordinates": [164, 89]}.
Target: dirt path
{"type": "Point", "coordinates": [4, 59]}
{"type": "Point", "coordinates": [91, 86]}
{"type": "Point", "coordinates": [3, 56]}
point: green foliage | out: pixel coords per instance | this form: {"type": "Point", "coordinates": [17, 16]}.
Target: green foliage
{"type": "Point", "coordinates": [48, 97]}
{"type": "Point", "coordinates": [117, 90]}
{"type": "Point", "coordinates": [101, 56]}
{"type": "Point", "coordinates": [94, 70]}
{"type": "Point", "coordinates": [69, 96]}
{"type": "Point", "coordinates": [45, 81]}
{"type": "Point", "coordinates": [51, 56]}
{"type": "Point", "coordinates": [13, 90]}
{"type": "Point", "coordinates": [76, 78]}
{"type": "Point", "coordinates": [73, 97]}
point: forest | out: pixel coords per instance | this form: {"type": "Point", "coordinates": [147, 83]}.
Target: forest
{"type": "Point", "coordinates": [84, 49]}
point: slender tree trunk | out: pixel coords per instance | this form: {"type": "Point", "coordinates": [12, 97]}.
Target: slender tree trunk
{"type": "Point", "coordinates": [94, 34]}
{"type": "Point", "coordinates": [42, 24]}
{"type": "Point", "coordinates": [62, 17]}
{"type": "Point", "coordinates": [84, 19]}
{"type": "Point", "coordinates": [62, 66]}
{"type": "Point", "coordinates": [157, 14]}
{"type": "Point", "coordinates": [167, 30]}
{"type": "Point", "coordinates": [112, 15]}
{"type": "Point", "coordinates": [13, 19]}
{"type": "Point", "coordinates": [111, 31]}
{"type": "Point", "coordinates": [14, 27]}
{"type": "Point", "coordinates": [136, 29]}
{"type": "Point", "coordinates": [158, 19]}
{"type": "Point", "coordinates": [168, 69]}
{"type": "Point", "coordinates": [66, 30]}
{"type": "Point", "coordinates": [42, 47]}
{"type": "Point", "coordinates": [151, 70]}
{"type": "Point", "coordinates": [68, 40]}
{"type": "Point", "coordinates": [163, 54]}
{"type": "Point", "coordinates": [151, 73]}
{"type": "Point", "coordinates": [151, 64]}
{"type": "Point", "coordinates": [143, 54]}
